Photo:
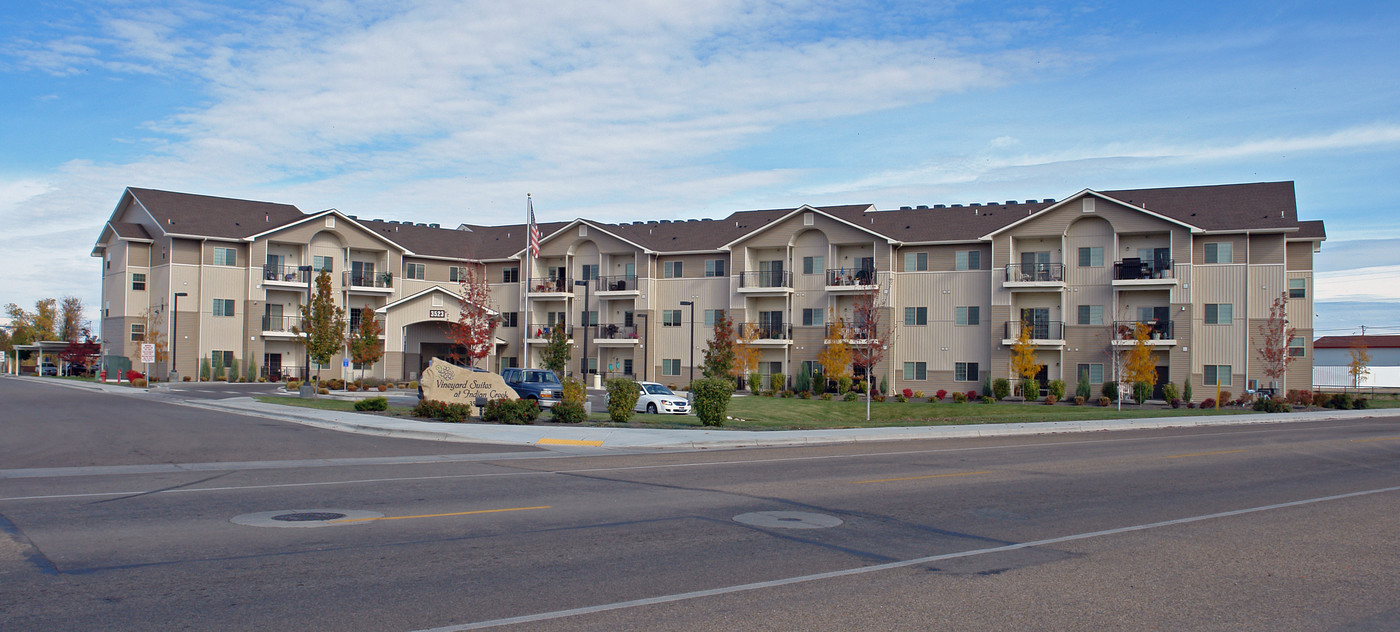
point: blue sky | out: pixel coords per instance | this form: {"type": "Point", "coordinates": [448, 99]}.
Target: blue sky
{"type": "Point", "coordinates": [451, 112]}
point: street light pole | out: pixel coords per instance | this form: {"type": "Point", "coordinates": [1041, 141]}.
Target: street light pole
{"type": "Point", "coordinates": [645, 332]}
{"type": "Point", "coordinates": [586, 333]}
{"type": "Point", "coordinates": [692, 337]}
{"type": "Point", "coordinates": [174, 335]}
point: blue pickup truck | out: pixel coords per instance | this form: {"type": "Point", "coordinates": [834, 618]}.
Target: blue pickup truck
{"type": "Point", "coordinates": [540, 385]}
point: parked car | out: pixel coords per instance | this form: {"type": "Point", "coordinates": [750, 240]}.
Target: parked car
{"type": "Point", "coordinates": [77, 369]}
{"type": "Point", "coordinates": [541, 385]}
{"type": "Point", "coordinates": [656, 398]}
{"type": "Point", "coordinates": [48, 368]}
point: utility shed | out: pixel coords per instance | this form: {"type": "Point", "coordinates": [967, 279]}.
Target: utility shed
{"type": "Point", "coordinates": [1332, 360]}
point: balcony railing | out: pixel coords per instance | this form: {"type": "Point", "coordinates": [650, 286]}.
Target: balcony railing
{"type": "Point", "coordinates": [1035, 272]}
{"type": "Point", "coordinates": [1040, 330]}
{"type": "Point", "coordinates": [286, 274]}
{"type": "Point", "coordinates": [368, 279]}
{"type": "Point", "coordinates": [544, 331]}
{"type": "Point", "coordinates": [766, 331]}
{"type": "Point", "coordinates": [552, 284]}
{"type": "Point", "coordinates": [851, 276]}
{"type": "Point", "coordinates": [614, 332]}
{"type": "Point", "coordinates": [1157, 329]}
{"type": "Point", "coordinates": [280, 323]}
{"type": "Point", "coordinates": [1134, 269]}
{"type": "Point", "coordinates": [615, 283]}
{"type": "Point", "coordinates": [781, 279]}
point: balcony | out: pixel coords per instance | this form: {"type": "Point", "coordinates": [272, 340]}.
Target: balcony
{"type": "Point", "coordinates": [279, 326]}
{"type": "Point", "coordinates": [857, 335]}
{"type": "Point", "coordinates": [370, 282]}
{"type": "Point", "coordinates": [1036, 276]}
{"type": "Point", "coordinates": [1161, 333]}
{"type": "Point", "coordinates": [766, 333]}
{"type": "Point", "coordinates": [621, 285]}
{"type": "Point", "coordinates": [1130, 274]}
{"type": "Point", "coordinates": [541, 334]}
{"type": "Point", "coordinates": [1045, 333]}
{"type": "Point", "coordinates": [852, 280]}
{"type": "Point", "coordinates": [615, 335]}
{"type": "Point", "coordinates": [286, 276]}
{"type": "Point", "coordinates": [551, 287]}
{"type": "Point", "coordinates": [765, 282]}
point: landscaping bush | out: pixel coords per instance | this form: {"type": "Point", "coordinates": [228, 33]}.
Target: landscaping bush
{"type": "Point", "coordinates": [139, 382]}
{"type": "Point", "coordinates": [1057, 388]}
{"type": "Point", "coordinates": [382, 387]}
{"type": "Point", "coordinates": [186, 378]}
{"type": "Point", "coordinates": [1030, 390]}
{"type": "Point", "coordinates": [510, 411]}
{"type": "Point", "coordinates": [711, 399]}
{"type": "Point", "coordinates": [843, 384]}
{"type": "Point", "coordinates": [777, 382]}
{"type": "Point", "coordinates": [1190, 404]}
{"type": "Point", "coordinates": [1079, 400]}
{"type": "Point", "coordinates": [940, 394]}
{"type": "Point", "coordinates": [1001, 388]}
{"type": "Point", "coordinates": [1361, 403]}
{"type": "Point", "coordinates": [826, 397]}
{"type": "Point", "coordinates": [1175, 402]}
{"type": "Point", "coordinates": [907, 393]}
{"type": "Point", "coordinates": [1341, 401]}
{"type": "Point", "coordinates": [1109, 389]}
{"type": "Point", "coordinates": [335, 384]}
{"type": "Point", "coordinates": [1322, 400]}
{"type": "Point", "coordinates": [959, 397]}
{"type": "Point", "coordinates": [220, 378]}
{"type": "Point", "coordinates": [972, 395]}
{"type": "Point", "coordinates": [877, 396]}
{"type": "Point", "coordinates": [1272, 406]}
{"type": "Point", "coordinates": [1051, 399]}
{"type": "Point", "coordinates": [787, 394]}
{"type": "Point", "coordinates": [569, 412]}
{"type": "Point", "coordinates": [622, 398]}
{"type": "Point", "coordinates": [429, 409]}
{"type": "Point", "coordinates": [901, 398]}
{"type": "Point", "coordinates": [412, 386]}
{"type": "Point", "coordinates": [352, 388]}
{"type": "Point", "coordinates": [1104, 401]}
{"type": "Point", "coordinates": [1224, 396]}
{"type": "Point", "coordinates": [1186, 390]}
{"type": "Point", "coordinates": [918, 395]}
{"type": "Point", "coordinates": [802, 382]}
{"type": "Point", "coordinates": [1170, 391]}
{"type": "Point", "coordinates": [1208, 402]}
{"type": "Point", "coordinates": [1305, 398]}
{"type": "Point", "coordinates": [293, 385]}
{"type": "Point", "coordinates": [133, 375]}
{"type": "Point", "coordinates": [574, 391]}
{"type": "Point", "coordinates": [850, 396]}
{"type": "Point", "coordinates": [1141, 391]}
{"type": "Point", "coordinates": [372, 403]}
{"type": "Point", "coordinates": [323, 391]}
{"type": "Point", "coordinates": [987, 399]}
{"type": "Point", "coordinates": [884, 385]}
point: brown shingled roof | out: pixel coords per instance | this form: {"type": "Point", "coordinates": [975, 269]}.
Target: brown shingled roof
{"type": "Point", "coordinates": [1255, 205]}
{"type": "Point", "coordinates": [189, 214]}
{"type": "Point", "coordinates": [1348, 342]}
{"type": "Point", "coordinates": [128, 230]}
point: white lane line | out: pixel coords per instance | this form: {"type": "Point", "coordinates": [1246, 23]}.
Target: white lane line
{"type": "Point", "coordinates": [649, 601]}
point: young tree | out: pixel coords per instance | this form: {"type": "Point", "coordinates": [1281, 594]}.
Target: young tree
{"type": "Point", "coordinates": [70, 321]}
{"type": "Point", "coordinates": [835, 357]}
{"type": "Point", "coordinates": [556, 353]}
{"type": "Point", "coordinates": [1023, 361]}
{"type": "Point", "coordinates": [365, 347]}
{"type": "Point", "coordinates": [152, 324]}
{"type": "Point", "coordinates": [719, 351]}
{"type": "Point", "coordinates": [1360, 365]}
{"type": "Point", "coordinates": [1273, 350]}
{"type": "Point", "coordinates": [322, 324]}
{"type": "Point", "coordinates": [872, 337]}
{"type": "Point", "coordinates": [746, 355]}
{"type": "Point", "coordinates": [83, 350]}
{"type": "Point", "coordinates": [1141, 369]}
{"type": "Point", "coordinates": [475, 330]}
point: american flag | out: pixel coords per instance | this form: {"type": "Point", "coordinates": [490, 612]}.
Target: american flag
{"type": "Point", "coordinates": [534, 229]}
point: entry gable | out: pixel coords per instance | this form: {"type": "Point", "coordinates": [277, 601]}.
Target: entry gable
{"type": "Point", "coordinates": [1076, 204]}
{"type": "Point", "coordinates": [571, 229]}
{"type": "Point", "coordinates": [785, 220]}
{"type": "Point", "coordinates": [449, 302]}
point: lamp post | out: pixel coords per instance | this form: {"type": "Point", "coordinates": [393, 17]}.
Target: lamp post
{"type": "Point", "coordinates": [589, 323]}
{"type": "Point", "coordinates": [645, 322]}
{"type": "Point", "coordinates": [174, 334]}
{"type": "Point", "coordinates": [305, 273]}
{"type": "Point", "coordinates": [692, 337]}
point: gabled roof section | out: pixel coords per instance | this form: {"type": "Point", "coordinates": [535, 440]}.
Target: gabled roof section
{"type": "Point", "coordinates": [608, 229]}
{"type": "Point", "coordinates": [842, 214]}
{"type": "Point", "coordinates": [208, 216]}
{"type": "Point", "coordinates": [436, 288]}
{"type": "Point", "coordinates": [124, 231]}
{"type": "Point", "coordinates": [1220, 207]}
{"type": "Point", "coordinates": [323, 214]}
{"type": "Point", "coordinates": [1102, 196]}
{"type": "Point", "coordinates": [1310, 230]}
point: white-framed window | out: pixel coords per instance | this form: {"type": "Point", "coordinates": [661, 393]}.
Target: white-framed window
{"type": "Point", "coordinates": [915, 261]}
{"type": "Point", "coordinates": [1220, 252]}
{"type": "Point", "coordinates": [813, 316]}
{"type": "Point", "coordinates": [1093, 371]}
{"type": "Point", "coordinates": [1219, 313]}
{"type": "Point", "coordinates": [456, 274]}
{"type": "Point", "coordinates": [322, 263]}
{"type": "Point", "coordinates": [670, 366]}
{"type": "Point", "coordinates": [671, 270]}
{"type": "Point", "coordinates": [223, 307]}
{"type": "Point", "coordinates": [138, 281]}
{"type": "Point", "coordinates": [1091, 257]}
{"type": "Point", "coordinates": [510, 275]}
{"type": "Point", "coordinates": [1221, 372]}
{"type": "Point", "coordinates": [670, 318]}
{"type": "Point", "coordinates": [916, 370]}
{"type": "Point", "coordinates": [1297, 288]}
{"type": "Point", "coordinates": [225, 256]}
{"type": "Point", "coordinates": [590, 271]}
{"type": "Point", "coordinates": [915, 316]}
{"type": "Point", "coordinates": [223, 359]}
{"type": "Point", "coordinates": [1297, 346]}
{"type": "Point", "coordinates": [417, 271]}
{"type": "Point", "coordinates": [138, 332]}
{"type": "Point", "coordinates": [965, 372]}
{"type": "Point", "coordinates": [711, 315]}
{"type": "Point", "coordinates": [968, 315]}
{"type": "Point", "coordinates": [589, 317]}
{"type": "Point", "coordinates": [510, 319]}
{"type": "Point", "coordinates": [813, 265]}
{"type": "Point", "coordinates": [968, 260]}
{"type": "Point", "coordinates": [714, 268]}
{"type": "Point", "coordinates": [1091, 314]}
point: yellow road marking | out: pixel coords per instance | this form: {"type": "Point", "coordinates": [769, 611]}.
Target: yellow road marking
{"type": "Point", "coordinates": [1376, 439]}
{"type": "Point", "coordinates": [915, 478]}
{"type": "Point", "coordinates": [442, 515]}
{"type": "Point", "coordinates": [1182, 456]}
{"type": "Point", "coordinates": [569, 442]}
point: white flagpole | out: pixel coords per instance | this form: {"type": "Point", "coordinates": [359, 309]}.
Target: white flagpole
{"type": "Point", "coordinates": [525, 285]}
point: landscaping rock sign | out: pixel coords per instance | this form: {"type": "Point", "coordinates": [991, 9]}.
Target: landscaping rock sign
{"type": "Point", "coordinates": [445, 382]}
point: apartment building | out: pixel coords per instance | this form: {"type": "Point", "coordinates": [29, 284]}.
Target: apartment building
{"type": "Point", "coordinates": [1201, 266]}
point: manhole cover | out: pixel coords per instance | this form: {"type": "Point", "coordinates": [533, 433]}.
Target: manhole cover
{"type": "Point", "coordinates": [305, 518]}
{"type": "Point", "coordinates": [788, 520]}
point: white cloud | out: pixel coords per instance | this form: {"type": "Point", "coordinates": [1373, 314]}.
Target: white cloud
{"type": "Point", "coordinates": [1372, 284]}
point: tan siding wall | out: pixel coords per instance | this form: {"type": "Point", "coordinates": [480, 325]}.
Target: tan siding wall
{"type": "Point", "coordinates": [1237, 249]}
{"type": "Point", "coordinates": [1266, 249]}
{"type": "Point", "coordinates": [1266, 283]}
{"type": "Point", "coordinates": [1300, 310]}
{"type": "Point", "coordinates": [185, 251]}
{"type": "Point", "coordinates": [1300, 255]}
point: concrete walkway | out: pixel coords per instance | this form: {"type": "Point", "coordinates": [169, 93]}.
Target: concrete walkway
{"type": "Point", "coordinates": [576, 438]}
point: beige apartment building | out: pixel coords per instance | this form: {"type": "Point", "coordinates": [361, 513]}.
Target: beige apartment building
{"type": "Point", "coordinates": [1200, 265]}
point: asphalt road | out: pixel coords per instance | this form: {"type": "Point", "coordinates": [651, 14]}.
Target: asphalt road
{"type": "Point", "coordinates": [1289, 527]}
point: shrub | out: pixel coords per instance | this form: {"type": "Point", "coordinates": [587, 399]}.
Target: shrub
{"type": "Point", "coordinates": [323, 391]}
{"type": "Point", "coordinates": [351, 387]}
{"type": "Point", "coordinates": [1141, 391]}
{"type": "Point", "coordinates": [220, 378]}
{"type": "Point", "coordinates": [907, 393]}
{"type": "Point", "coordinates": [1272, 406]}
{"type": "Point", "coordinates": [293, 385]}
{"type": "Point", "coordinates": [1057, 388]}
{"type": "Point", "coordinates": [186, 378]}
{"type": "Point", "coordinates": [711, 396]}
{"type": "Point", "coordinates": [1109, 389]}
{"type": "Point", "coordinates": [843, 384]}
{"type": "Point", "coordinates": [1224, 396]}
{"type": "Point", "coordinates": [901, 398]}
{"type": "Point", "coordinates": [372, 403]}
{"type": "Point", "coordinates": [940, 394]}
{"type": "Point", "coordinates": [1190, 404]}
{"type": "Point", "coordinates": [1104, 401]}
{"type": "Point", "coordinates": [622, 398]}
{"type": "Point", "coordinates": [139, 382]}
{"type": "Point", "coordinates": [1051, 399]}
{"type": "Point", "coordinates": [802, 382]}
{"type": "Point", "coordinates": [1361, 403]}
{"type": "Point", "coordinates": [1001, 388]}
{"type": "Point", "coordinates": [412, 386]}
{"type": "Point", "coordinates": [1030, 390]}
{"type": "Point", "coordinates": [1342, 401]}
{"type": "Point", "coordinates": [959, 397]}
{"type": "Point", "coordinates": [1170, 391]}
{"type": "Point", "coordinates": [429, 409]}
{"type": "Point", "coordinates": [850, 396]}
{"type": "Point", "coordinates": [510, 411]}
{"type": "Point", "coordinates": [133, 375]}
{"type": "Point", "coordinates": [205, 370]}
{"type": "Point", "coordinates": [335, 384]}
{"type": "Point", "coordinates": [1186, 390]}
{"type": "Point", "coordinates": [755, 383]}
{"type": "Point", "coordinates": [919, 395]}
{"type": "Point", "coordinates": [1208, 402]}
{"type": "Point", "coordinates": [382, 387]}
{"type": "Point", "coordinates": [1175, 402]}
{"type": "Point", "coordinates": [877, 396]}
{"type": "Point", "coordinates": [987, 399]}
{"type": "Point", "coordinates": [777, 382]}
{"type": "Point", "coordinates": [884, 385]}
{"type": "Point", "coordinates": [787, 394]}
{"type": "Point", "coordinates": [826, 397]}
{"type": "Point", "coordinates": [971, 395]}
{"type": "Point", "coordinates": [574, 391]}
{"type": "Point", "coordinates": [1305, 398]}
{"type": "Point", "coordinates": [1322, 400]}
{"type": "Point", "coordinates": [569, 412]}
{"type": "Point", "coordinates": [1079, 400]}
{"type": "Point", "coordinates": [1083, 389]}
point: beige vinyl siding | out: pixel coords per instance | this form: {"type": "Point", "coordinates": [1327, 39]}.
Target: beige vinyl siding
{"type": "Point", "coordinates": [1220, 344]}
{"type": "Point", "coordinates": [1123, 218]}
{"type": "Point", "coordinates": [1300, 310]}
{"type": "Point", "coordinates": [1238, 246]}
{"type": "Point", "coordinates": [1266, 249]}
{"type": "Point", "coordinates": [1300, 255]}
{"type": "Point", "coordinates": [941, 342]}
{"type": "Point", "coordinates": [944, 258]}
{"type": "Point", "coordinates": [1266, 283]}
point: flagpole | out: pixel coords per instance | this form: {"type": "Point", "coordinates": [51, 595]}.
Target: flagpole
{"type": "Point", "coordinates": [525, 281]}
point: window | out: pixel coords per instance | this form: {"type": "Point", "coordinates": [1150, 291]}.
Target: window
{"type": "Point", "coordinates": [456, 274]}
{"type": "Point", "coordinates": [813, 316]}
{"type": "Point", "coordinates": [223, 307]}
{"type": "Point", "coordinates": [510, 362]}
{"type": "Point", "coordinates": [415, 271]}
{"type": "Point", "coordinates": [1297, 288]}
{"type": "Point", "coordinates": [221, 358]}
{"type": "Point", "coordinates": [671, 366]}
{"type": "Point", "coordinates": [714, 267]}
{"type": "Point", "coordinates": [510, 319]}
{"type": "Point", "coordinates": [712, 315]}
{"type": "Point", "coordinates": [138, 281]}
{"type": "Point", "coordinates": [671, 270]}
{"type": "Point", "coordinates": [362, 366]}
{"type": "Point", "coordinates": [915, 261]}
{"type": "Point", "coordinates": [225, 256]}
{"type": "Point", "coordinates": [1221, 372]}
{"type": "Point", "coordinates": [627, 366]}
{"type": "Point", "coordinates": [970, 315]}
{"type": "Point", "coordinates": [914, 316]}
{"type": "Point", "coordinates": [1219, 313]}
{"type": "Point", "coordinates": [1094, 372]}
{"type": "Point", "coordinates": [969, 260]}
{"type": "Point", "coordinates": [1091, 257]}
{"type": "Point", "coordinates": [965, 371]}
{"type": "Point", "coordinates": [590, 272]}
{"type": "Point", "coordinates": [437, 300]}
{"type": "Point", "coordinates": [671, 318]}
{"type": "Point", "coordinates": [510, 275]}
{"type": "Point", "coordinates": [322, 264]}
{"type": "Point", "coordinates": [138, 332]}
{"type": "Point", "coordinates": [1220, 252]}
{"type": "Point", "coordinates": [1091, 314]}
{"type": "Point", "coordinates": [589, 317]}
{"type": "Point", "coordinates": [1297, 346]}
{"type": "Point", "coordinates": [356, 314]}
{"type": "Point", "coordinates": [916, 370]}
{"type": "Point", "coordinates": [591, 364]}
{"type": "Point", "coordinates": [813, 265]}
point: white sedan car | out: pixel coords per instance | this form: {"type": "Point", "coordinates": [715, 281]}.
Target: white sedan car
{"type": "Point", "coordinates": [656, 398]}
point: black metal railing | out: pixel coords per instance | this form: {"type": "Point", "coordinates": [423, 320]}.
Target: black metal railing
{"type": "Point", "coordinates": [765, 279]}
{"type": "Point", "coordinates": [615, 283]}
{"type": "Point", "coordinates": [614, 332]}
{"type": "Point", "coordinates": [765, 331]}
{"type": "Point", "coordinates": [286, 274]}
{"type": "Point", "coordinates": [851, 276]}
{"type": "Point", "coordinates": [1157, 329]}
{"type": "Point", "coordinates": [1134, 269]}
{"type": "Point", "coordinates": [552, 284]}
{"type": "Point", "coordinates": [1029, 272]}
{"type": "Point", "coordinates": [280, 323]}
{"type": "Point", "coordinates": [368, 279]}
{"type": "Point", "coordinates": [1040, 329]}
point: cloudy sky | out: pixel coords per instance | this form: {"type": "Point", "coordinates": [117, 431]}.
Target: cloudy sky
{"type": "Point", "coordinates": [451, 111]}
